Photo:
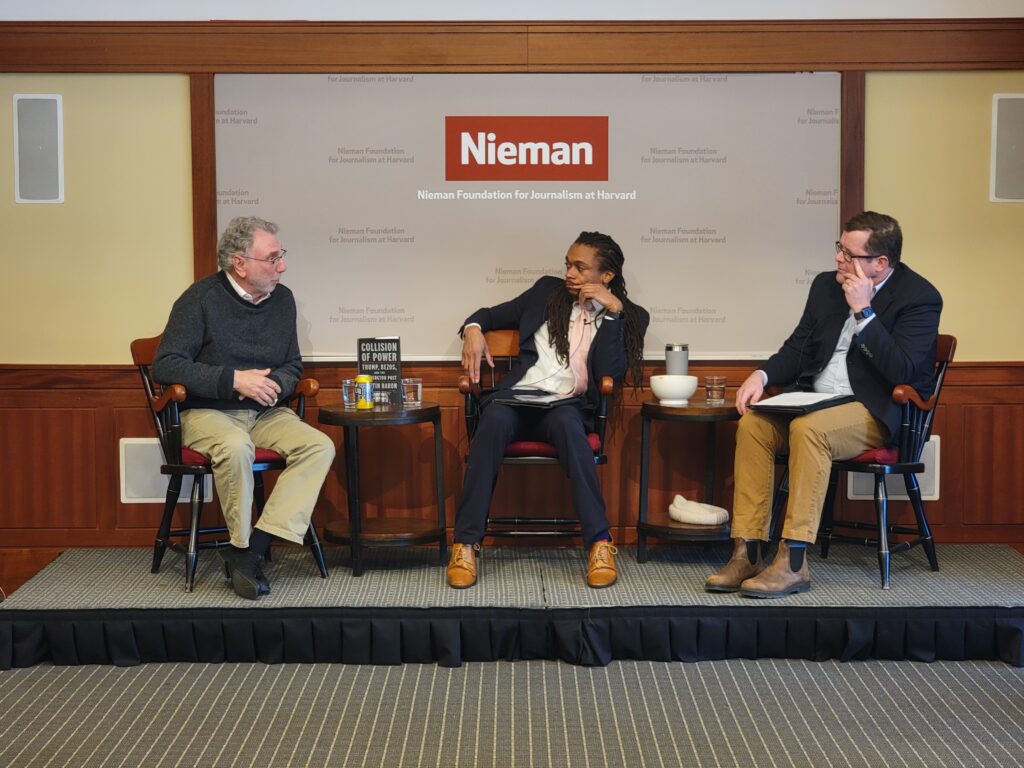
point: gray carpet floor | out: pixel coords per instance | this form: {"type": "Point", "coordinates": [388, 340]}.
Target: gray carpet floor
{"type": "Point", "coordinates": [970, 575]}
{"type": "Point", "coordinates": [734, 713]}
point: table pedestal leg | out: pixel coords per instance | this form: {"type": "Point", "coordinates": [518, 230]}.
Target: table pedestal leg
{"type": "Point", "coordinates": [709, 477]}
{"type": "Point", "coordinates": [354, 513]}
{"type": "Point", "coordinates": [645, 456]}
{"type": "Point", "coordinates": [439, 485]}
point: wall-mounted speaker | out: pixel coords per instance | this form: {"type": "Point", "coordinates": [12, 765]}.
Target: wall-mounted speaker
{"type": "Point", "coordinates": [1007, 175]}
{"type": "Point", "coordinates": [38, 148]}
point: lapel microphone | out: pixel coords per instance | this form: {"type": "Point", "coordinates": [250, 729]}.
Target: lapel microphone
{"type": "Point", "coordinates": [590, 310]}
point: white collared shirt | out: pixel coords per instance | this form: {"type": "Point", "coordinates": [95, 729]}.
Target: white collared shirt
{"type": "Point", "coordinates": [244, 293]}
{"type": "Point", "coordinates": [835, 377]}
{"type": "Point", "coordinates": [548, 374]}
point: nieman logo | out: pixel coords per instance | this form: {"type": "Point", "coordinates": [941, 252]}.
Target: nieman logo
{"type": "Point", "coordinates": [503, 148]}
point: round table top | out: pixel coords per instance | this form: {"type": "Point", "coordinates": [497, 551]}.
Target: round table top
{"type": "Point", "coordinates": [379, 415]}
{"type": "Point", "coordinates": [696, 410]}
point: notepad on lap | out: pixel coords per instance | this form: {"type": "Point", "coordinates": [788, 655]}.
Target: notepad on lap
{"type": "Point", "coordinates": [800, 402]}
{"type": "Point", "coordinates": [535, 398]}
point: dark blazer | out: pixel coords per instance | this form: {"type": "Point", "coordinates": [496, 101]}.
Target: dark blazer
{"type": "Point", "coordinates": [526, 313]}
{"type": "Point", "coordinates": [897, 347]}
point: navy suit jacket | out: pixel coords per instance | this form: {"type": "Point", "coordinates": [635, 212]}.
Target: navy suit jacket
{"type": "Point", "coordinates": [526, 313]}
{"type": "Point", "coordinates": [897, 347]}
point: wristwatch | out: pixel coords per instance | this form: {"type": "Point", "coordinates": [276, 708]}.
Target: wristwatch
{"type": "Point", "coordinates": [864, 314]}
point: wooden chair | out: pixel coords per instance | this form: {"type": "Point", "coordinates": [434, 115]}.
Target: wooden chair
{"type": "Point", "coordinates": [505, 344]}
{"type": "Point", "coordinates": [902, 459]}
{"type": "Point", "coordinates": [180, 461]}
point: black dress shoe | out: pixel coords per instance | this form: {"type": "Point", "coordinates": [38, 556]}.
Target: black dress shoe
{"type": "Point", "coordinates": [245, 572]}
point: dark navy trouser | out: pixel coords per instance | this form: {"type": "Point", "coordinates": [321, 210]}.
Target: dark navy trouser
{"type": "Point", "coordinates": [563, 426]}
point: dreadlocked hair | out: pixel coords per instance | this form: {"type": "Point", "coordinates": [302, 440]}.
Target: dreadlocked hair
{"type": "Point", "coordinates": [559, 308]}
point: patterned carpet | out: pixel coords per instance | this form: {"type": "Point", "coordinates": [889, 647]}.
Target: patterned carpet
{"type": "Point", "coordinates": [970, 575]}
{"type": "Point", "coordinates": [726, 713]}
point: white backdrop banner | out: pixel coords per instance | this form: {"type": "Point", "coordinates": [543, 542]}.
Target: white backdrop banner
{"type": "Point", "coordinates": [408, 201]}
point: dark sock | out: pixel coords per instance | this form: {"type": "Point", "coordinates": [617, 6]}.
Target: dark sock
{"type": "Point", "coordinates": [753, 548]}
{"type": "Point", "coordinates": [797, 550]}
{"type": "Point", "coordinates": [259, 542]}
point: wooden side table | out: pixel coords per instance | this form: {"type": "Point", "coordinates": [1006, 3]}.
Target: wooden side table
{"type": "Point", "coordinates": [661, 525]}
{"type": "Point", "coordinates": [393, 532]}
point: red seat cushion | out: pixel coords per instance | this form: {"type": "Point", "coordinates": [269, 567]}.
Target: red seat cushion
{"type": "Point", "coordinates": [878, 456]}
{"type": "Point", "coordinates": [196, 459]}
{"type": "Point", "coordinates": [192, 458]}
{"type": "Point", "coordinates": [537, 448]}
{"type": "Point", "coordinates": [265, 454]}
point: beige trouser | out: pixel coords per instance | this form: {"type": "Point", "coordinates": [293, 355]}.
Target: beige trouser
{"type": "Point", "coordinates": [229, 439]}
{"type": "Point", "coordinates": [813, 441]}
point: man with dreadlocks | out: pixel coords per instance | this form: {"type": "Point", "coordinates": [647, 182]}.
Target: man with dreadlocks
{"type": "Point", "coordinates": [572, 332]}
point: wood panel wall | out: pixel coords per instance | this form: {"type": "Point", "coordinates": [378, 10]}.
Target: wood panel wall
{"type": "Point", "coordinates": [60, 425]}
{"type": "Point", "coordinates": [695, 46]}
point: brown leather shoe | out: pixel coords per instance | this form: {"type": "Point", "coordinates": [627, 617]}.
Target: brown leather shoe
{"type": "Point", "coordinates": [462, 566]}
{"type": "Point", "coordinates": [778, 579]}
{"type": "Point", "coordinates": [601, 570]}
{"type": "Point", "coordinates": [733, 573]}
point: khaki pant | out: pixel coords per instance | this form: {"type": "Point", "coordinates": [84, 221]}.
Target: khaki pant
{"type": "Point", "coordinates": [813, 441]}
{"type": "Point", "coordinates": [229, 440]}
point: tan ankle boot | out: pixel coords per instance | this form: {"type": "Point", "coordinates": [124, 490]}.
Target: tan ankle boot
{"type": "Point", "coordinates": [778, 579]}
{"type": "Point", "coordinates": [462, 566]}
{"type": "Point", "coordinates": [736, 570]}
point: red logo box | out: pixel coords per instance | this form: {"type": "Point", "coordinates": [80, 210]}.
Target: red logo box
{"type": "Point", "coordinates": [542, 148]}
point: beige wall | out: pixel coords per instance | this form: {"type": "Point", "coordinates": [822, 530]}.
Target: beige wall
{"type": "Point", "coordinates": [83, 278]}
{"type": "Point", "coordinates": [928, 144]}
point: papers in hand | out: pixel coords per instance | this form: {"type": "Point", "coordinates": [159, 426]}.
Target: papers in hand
{"type": "Point", "coordinates": [800, 402]}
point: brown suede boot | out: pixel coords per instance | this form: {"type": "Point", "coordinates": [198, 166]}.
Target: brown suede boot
{"type": "Point", "coordinates": [779, 579]}
{"type": "Point", "coordinates": [736, 570]}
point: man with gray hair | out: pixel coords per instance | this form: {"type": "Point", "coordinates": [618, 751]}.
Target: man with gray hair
{"type": "Point", "coordinates": [231, 340]}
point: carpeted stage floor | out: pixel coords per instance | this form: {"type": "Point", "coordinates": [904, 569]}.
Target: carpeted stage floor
{"type": "Point", "coordinates": [103, 606]}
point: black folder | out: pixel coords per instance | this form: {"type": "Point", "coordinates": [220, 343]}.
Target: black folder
{"type": "Point", "coordinates": [797, 403]}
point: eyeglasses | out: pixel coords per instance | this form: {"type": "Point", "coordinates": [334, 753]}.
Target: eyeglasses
{"type": "Point", "coordinates": [847, 256]}
{"type": "Point", "coordinates": [272, 261]}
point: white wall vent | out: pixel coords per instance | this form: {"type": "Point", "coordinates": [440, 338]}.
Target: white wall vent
{"type": "Point", "coordinates": [141, 481]}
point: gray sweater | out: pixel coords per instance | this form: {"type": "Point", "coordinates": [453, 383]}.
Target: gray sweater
{"type": "Point", "coordinates": [212, 332]}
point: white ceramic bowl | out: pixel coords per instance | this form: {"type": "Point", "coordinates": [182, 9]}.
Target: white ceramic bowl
{"type": "Point", "coordinates": [673, 390]}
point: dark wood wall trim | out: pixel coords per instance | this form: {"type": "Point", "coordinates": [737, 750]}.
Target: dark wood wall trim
{"type": "Point", "coordinates": [741, 46]}
{"type": "Point", "coordinates": [81, 412]}
{"type": "Point", "coordinates": [777, 46]}
{"type": "Point", "coordinates": [223, 46]}
{"type": "Point", "coordinates": [204, 174]}
{"type": "Point", "coordinates": [851, 144]}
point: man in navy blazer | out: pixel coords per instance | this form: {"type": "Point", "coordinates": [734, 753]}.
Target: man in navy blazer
{"type": "Point", "coordinates": [868, 326]}
{"type": "Point", "coordinates": [572, 332]}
